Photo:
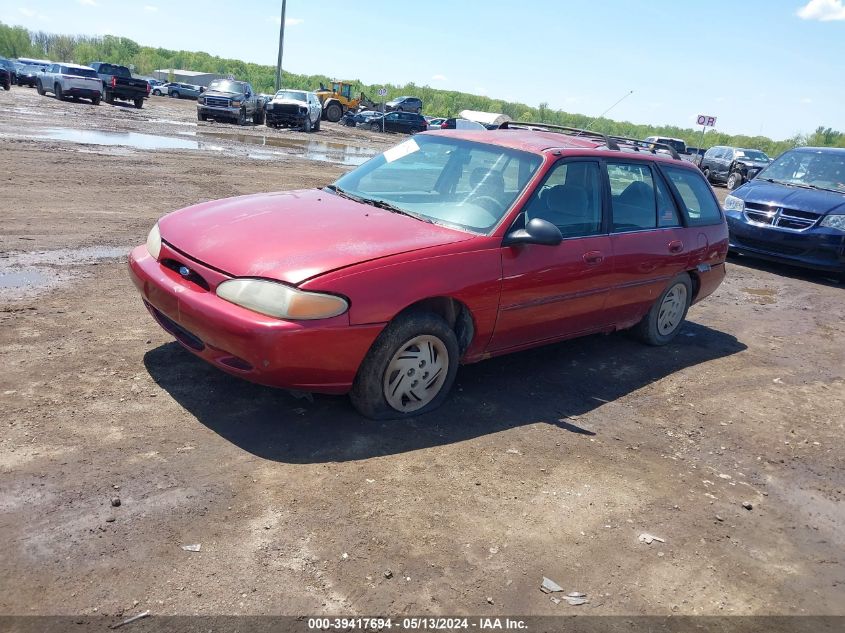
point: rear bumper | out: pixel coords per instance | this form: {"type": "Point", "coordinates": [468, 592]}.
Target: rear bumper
{"type": "Point", "coordinates": [816, 248]}
{"type": "Point", "coordinates": [85, 93]}
{"type": "Point", "coordinates": [127, 94]}
{"type": "Point", "coordinates": [318, 356]}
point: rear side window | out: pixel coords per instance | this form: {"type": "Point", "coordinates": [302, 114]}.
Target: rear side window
{"type": "Point", "coordinates": [632, 193]}
{"type": "Point", "coordinates": [700, 206]}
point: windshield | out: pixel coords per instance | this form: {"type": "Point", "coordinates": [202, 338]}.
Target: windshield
{"type": "Point", "coordinates": [293, 95]}
{"type": "Point", "coordinates": [448, 181]}
{"type": "Point", "coordinates": [226, 85]}
{"type": "Point", "coordinates": [752, 154]}
{"type": "Point", "coordinates": [79, 72]}
{"type": "Point", "coordinates": [821, 170]}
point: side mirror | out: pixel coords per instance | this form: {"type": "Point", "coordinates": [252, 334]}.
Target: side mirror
{"type": "Point", "coordinates": [537, 231]}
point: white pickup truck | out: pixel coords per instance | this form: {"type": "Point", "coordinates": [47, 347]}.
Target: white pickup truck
{"type": "Point", "coordinates": [70, 80]}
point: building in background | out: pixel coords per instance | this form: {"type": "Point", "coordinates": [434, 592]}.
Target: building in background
{"type": "Point", "coordinates": [185, 76]}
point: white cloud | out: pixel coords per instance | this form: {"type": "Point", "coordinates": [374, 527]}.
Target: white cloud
{"type": "Point", "coordinates": [27, 12]}
{"type": "Point", "coordinates": [288, 21]}
{"type": "Point", "coordinates": [150, 8]}
{"type": "Point", "coordinates": [88, 3]}
{"type": "Point", "coordinates": [806, 100]}
{"type": "Point", "coordinates": [439, 77]}
{"type": "Point", "coordinates": [822, 10]}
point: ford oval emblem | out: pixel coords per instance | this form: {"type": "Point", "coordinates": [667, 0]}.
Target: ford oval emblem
{"type": "Point", "coordinates": [184, 271]}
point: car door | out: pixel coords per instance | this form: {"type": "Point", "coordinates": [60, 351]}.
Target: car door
{"type": "Point", "coordinates": [392, 122]}
{"type": "Point", "coordinates": [647, 237]}
{"type": "Point", "coordinates": [555, 292]}
{"type": "Point", "coordinates": [722, 163]}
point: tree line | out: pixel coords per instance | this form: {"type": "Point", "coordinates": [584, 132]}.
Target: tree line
{"type": "Point", "coordinates": [20, 42]}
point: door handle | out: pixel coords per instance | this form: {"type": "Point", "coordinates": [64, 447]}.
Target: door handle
{"type": "Point", "coordinates": [676, 246]}
{"type": "Point", "coordinates": [593, 258]}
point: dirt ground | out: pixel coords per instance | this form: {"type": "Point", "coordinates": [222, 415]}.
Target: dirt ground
{"type": "Point", "coordinates": [546, 463]}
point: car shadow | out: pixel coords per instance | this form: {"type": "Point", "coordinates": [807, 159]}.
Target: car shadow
{"type": "Point", "coordinates": [553, 385]}
{"type": "Point", "coordinates": [785, 270]}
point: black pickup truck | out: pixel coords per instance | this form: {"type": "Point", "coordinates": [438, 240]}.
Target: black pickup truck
{"type": "Point", "coordinates": [118, 83]}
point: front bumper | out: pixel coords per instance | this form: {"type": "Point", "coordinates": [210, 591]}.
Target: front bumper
{"type": "Point", "coordinates": [274, 117]}
{"type": "Point", "coordinates": [218, 112]}
{"type": "Point", "coordinates": [817, 248]}
{"type": "Point", "coordinates": [320, 356]}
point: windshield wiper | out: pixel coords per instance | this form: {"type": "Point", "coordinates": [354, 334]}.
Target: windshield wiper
{"type": "Point", "coordinates": [379, 204]}
{"type": "Point", "coordinates": [800, 185]}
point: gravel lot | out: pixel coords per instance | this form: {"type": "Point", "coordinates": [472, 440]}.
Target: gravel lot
{"type": "Point", "coordinates": [546, 463]}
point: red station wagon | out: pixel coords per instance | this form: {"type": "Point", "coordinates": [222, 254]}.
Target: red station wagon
{"type": "Point", "coordinates": [449, 248]}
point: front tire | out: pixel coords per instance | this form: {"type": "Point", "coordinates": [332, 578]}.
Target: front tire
{"type": "Point", "coordinates": [57, 90]}
{"type": "Point", "coordinates": [157, 93]}
{"type": "Point", "coordinates": [409, 369]}
{"type": "Point", "coordinates": [306, 125]}
{"type": "Point", "coordinates": [242, 117]}
{"type": "Point", "coordinates": [667, 314]}
{"type": "Point", "coordinates": [334, 112]}
{"type": "Point", "coordinates": [258, 117]}
{"type": "Point", "coordinates": [735, 180]}
{"type": "Point", "coordinates": [706, 172]}
{"type": "Point", "coordinates": [202, 117]}
{"type": "Point", "coordinates": [317, 125]}
{"type": "Point", "coordinates": [39, 88]}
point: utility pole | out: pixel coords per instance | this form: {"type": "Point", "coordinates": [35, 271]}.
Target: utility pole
{"type": "Point", "coordinates": [281, 47]}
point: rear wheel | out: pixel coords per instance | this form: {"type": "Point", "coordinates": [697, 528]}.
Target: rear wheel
{"type": "Point", "coordinates": [409, 370]}
{"type": "Point", "coordinates": [95, 100]}
{"type": "Point", "coordinates": [139, 103]}
{"type": "Point", "coordinates": [108, 97]}
{"type": "Point", "coordinates": [7, 84]}
{"type": "Point", "coordinates": [175, 95]}
{"type": "Point", "coordinates": [375, 127]}
{"type": "Point", "coordinates": [667, 314]}
{"type": "Point", "coordinates": [734, 181]}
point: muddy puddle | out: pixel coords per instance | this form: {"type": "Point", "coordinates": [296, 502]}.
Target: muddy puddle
{"type": "Point", "coordinates": [125, 139]}
{"type": "Point", "coordinates": [273, 148]}
{"type": "Point", "coordinates": [309, 149]}
{"type": "Point", "coordinates": [24, 274]}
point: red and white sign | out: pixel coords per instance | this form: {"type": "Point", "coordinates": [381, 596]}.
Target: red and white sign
{"type": "Point", "coordinates": [706, 121]}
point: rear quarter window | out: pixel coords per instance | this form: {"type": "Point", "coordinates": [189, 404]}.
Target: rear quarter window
{"type": "Point", "coordinates": [700, 207]}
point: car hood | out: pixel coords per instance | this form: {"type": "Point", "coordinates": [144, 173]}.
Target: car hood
{"type": "Point", "coordinates": [773, 194]}
{"type": "Point", "coordinates": [293, 236]}
{"type": "Point", "coordinates": [281, 101]}
{"type": "Point", "coordinates": [753, 163]}
{"type": "Point", "coordinates": [222, 93]}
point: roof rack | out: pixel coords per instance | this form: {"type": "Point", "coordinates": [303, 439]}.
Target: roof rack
{"type": "Point", "coordinates": [612, 142]}
{"type": "Point", "coordinates": [608, 140]}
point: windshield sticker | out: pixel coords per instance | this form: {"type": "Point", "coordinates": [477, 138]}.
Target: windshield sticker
{"type": "Point", "coordinates": [403, 149]}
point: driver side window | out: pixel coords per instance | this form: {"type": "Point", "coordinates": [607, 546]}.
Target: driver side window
{"type": "Point", "coordinates": [570, 198]}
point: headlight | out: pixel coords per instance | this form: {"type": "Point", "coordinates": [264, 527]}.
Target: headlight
{"type": "Point", "coordinates": [278, 300]}
{"type": "Point", "coordinates": [834, 221]}
{"type": "Point", "coordinates": [236, 104]}
{"type": "Point", "coordinates": [154, 242]}
{"type": "Point", "coordinates": [201, 100]}
{"type": "Point", "coordinates": [269, 106]}
{"type": "Point", "coordinates": [732, 203]}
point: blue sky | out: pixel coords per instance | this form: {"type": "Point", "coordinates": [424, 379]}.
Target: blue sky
{"type": "Point", "coordinates": [761, 66]}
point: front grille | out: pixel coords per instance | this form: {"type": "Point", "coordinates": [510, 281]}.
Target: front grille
{"type": "Point", "coordinates": [776, 248]}
{"type": "Point", "coordinates": [791, 219]}
{"type": "Point", "coordinates": [192, 275]}
{"type": "Point", "coordinates": [182, 335]}
{"type": "Point", "coordinates": [286, 108]}
{"type": "Point", "coordinates": [217, 102]}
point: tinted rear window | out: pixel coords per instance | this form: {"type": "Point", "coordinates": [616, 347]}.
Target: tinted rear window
{"type": "Point", "coordinates": [699, 203]}
{"type": "Point", "coordinates": [118, 71]}
{"type": "Point", "coordinates": [79, 72]}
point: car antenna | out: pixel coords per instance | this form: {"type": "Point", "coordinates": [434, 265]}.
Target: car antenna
{"type": "Point", "coordinates": [625, 96]}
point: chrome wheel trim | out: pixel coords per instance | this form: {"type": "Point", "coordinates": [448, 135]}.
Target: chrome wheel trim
{"type": "Point", "coordinates": [416, 373]}
{"type": "Point", "coordinates": [672, 309]}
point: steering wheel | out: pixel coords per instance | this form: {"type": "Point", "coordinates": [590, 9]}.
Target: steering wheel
{"type": "Point", "coordinates": [490, 204]}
